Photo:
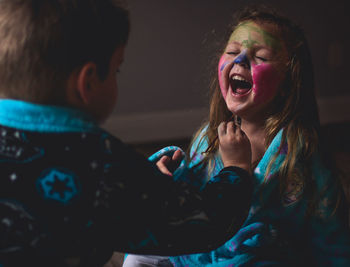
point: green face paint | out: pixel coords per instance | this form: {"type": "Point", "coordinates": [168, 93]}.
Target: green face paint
{"type": "Point", "coordinates": [268, 38]}
{"type": "Point", "coordinates": [249, 43]}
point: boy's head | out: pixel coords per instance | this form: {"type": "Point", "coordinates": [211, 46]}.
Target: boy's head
{"type": "Point", "coordinates": [43, 42]}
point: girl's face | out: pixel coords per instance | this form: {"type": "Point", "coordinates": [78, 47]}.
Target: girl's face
{"type": "Point", "coordinates": [252, 68]}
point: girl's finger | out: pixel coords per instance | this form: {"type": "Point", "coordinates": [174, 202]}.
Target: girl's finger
{"type": "Point", "coordinates": [177, 155]}
{"type": "Point", "coordinates": [162, 165]}
{"type": "Point", "coordinates": [231, 128]}
{"type": "Point", "coordinates": [222, 129]}
{"type": "Point", "coordinates": [176, 160]}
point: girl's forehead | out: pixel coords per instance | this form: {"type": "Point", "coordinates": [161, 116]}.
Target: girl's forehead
{"type": "Point", "coordinates": [249, 34]}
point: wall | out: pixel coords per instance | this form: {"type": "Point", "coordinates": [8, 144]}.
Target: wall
{"type": "Point", "coordinates": [168, 62]}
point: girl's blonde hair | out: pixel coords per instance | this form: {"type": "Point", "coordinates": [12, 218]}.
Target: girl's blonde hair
{"type": "Point", "coordinates": [294, 109]}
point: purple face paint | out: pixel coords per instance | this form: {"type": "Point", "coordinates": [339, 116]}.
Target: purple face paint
{"type": "Point", "coordinates": [223, 66]}
{"type": "Point", "coordinates": [266, 82]}
{"type": "Point", "coordinates": [221, 75]}
{"type": "Point", "coordinates": [242, 59]}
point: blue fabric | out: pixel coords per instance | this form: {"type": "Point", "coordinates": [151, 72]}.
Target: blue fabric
{"type": "Point", "coordinates": [279, 230]}
{"type": "Point", "coordinates": [41, 118]}
{"type": "Point", "coordinates": [181, 170]}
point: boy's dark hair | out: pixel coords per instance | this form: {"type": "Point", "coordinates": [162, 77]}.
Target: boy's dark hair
{"type": "Point", "coordinates": [43, 41]}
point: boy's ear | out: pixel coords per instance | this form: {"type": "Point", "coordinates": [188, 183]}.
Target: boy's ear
{"type": "Point", "coordinates": [86, 83]}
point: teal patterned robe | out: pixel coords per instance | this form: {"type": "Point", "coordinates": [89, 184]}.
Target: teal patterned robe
{"type": "Point", "coordinates": [279, 230]}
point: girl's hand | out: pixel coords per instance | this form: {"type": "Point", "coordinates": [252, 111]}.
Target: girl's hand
{"type": "Point", "coordinates": [234, 146]}
{"type": "Point", "coordinates": [168, 165]}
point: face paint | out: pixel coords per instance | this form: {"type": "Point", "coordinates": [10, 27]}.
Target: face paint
{"type": "Point", "coordinates": [242, 59]}
{"type": "Point", "coordinates": [268, 38]}
{"type": "Point", "coordinates": [251, 70]}
{"type": "Point", "coordinates": [223, 75]}
{"type": "Point", "coordinates": [265, 81]}
{"type": "Point", "coordinates": [222, 64]}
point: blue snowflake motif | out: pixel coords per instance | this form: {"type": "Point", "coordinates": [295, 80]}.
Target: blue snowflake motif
{"type": "Point", "coordinates": [106, 143]}
{"type": "Point", "coordinates": [58, 184]}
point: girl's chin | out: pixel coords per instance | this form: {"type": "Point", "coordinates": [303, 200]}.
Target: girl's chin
{"type": "Point", "coordinates": [237, 109]}
{"type": "Point", "coordinates": [241, 108]}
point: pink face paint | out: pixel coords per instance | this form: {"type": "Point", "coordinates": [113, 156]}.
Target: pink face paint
{"type": "Point", "coordinates": [221, 75]}
{"type": "Point", "coordinates": [266, 81]}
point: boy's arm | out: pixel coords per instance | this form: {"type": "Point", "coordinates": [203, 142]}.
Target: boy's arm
{"type": "Point", "coordinates": [149, 213]}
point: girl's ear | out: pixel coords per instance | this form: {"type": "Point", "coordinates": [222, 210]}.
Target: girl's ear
{"type": "Point", "coordinates": [86, 82]}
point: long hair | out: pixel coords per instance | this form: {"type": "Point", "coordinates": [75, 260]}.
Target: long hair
{"type": "Point", "coordinates": [294, 109]}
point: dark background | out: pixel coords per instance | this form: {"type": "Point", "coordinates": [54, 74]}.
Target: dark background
{"type": "Point", "coordinates": [172, 42]}
{"type": "Point", "coordinates": [169, 56]}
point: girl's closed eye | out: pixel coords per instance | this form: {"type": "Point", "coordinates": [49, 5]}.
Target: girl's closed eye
{"type": "Point", "coordinates": [234, 53]}
{"type": "Point", "coordinates": [261, 58]}
{"type": "Point", "coordinates": [262, 55]}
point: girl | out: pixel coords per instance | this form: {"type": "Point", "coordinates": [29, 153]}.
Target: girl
{"type": "Point", "coordinates": [298, 213]}
{"type": "Point", "coordinates": [297, 216]}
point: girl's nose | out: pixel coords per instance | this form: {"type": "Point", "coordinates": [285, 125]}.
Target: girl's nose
{"type": "Point", "coordinates": [242, 60]}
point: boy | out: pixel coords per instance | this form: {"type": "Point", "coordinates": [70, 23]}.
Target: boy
{"type": "Point", "coordinates": [69, 190]}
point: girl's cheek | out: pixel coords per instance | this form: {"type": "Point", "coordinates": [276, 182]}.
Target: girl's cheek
{"type": "Point", "coordinates": [222, 73]}
{"type": "Point", "coordinates": [266, 82]}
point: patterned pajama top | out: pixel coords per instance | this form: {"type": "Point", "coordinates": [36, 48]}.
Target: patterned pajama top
{"type": "Point", "coordinates": [282, 228]}
{"type": "Point", "coordinates": [71, 194]}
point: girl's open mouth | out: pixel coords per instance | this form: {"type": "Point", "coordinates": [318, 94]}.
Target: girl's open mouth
{"type": "Point", "coordinates": [239, 85]}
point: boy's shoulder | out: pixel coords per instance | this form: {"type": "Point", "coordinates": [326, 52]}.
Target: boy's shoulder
{"type": "Point", "coordinates": [18, 145]}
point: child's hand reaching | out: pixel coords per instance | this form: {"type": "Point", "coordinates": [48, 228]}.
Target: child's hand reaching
{"type": "Point", "coordinates": [234, 146]}
{"type": "Point", "coordinates": [168, 165]}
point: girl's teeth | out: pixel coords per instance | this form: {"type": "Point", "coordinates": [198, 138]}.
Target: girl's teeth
{"type": "Point", "coordinates": [239, 78]}
{"type": "Point", "coordinates": [239, 84]}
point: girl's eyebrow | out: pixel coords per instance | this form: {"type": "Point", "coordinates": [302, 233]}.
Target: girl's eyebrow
{"type": "Point", "coordinates": [260, 46]}
{"type": "Point", "coordinates": [234, 43]}
{"type": "Point", "coordinates": [256, 46]}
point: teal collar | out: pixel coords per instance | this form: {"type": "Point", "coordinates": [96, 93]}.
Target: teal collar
{"type": "Point", "coordinates": [44, 118]}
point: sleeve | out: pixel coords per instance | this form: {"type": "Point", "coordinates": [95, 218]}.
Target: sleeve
{"type": "Point", "coordinates": [146, 212]}
{"type": "Point", "coordinates": [329, 227]}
